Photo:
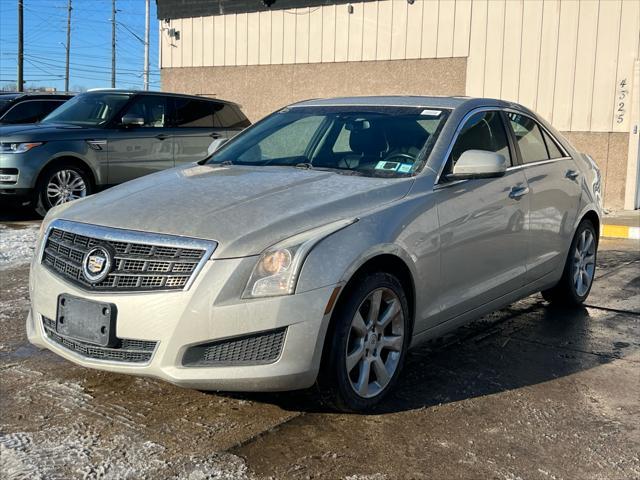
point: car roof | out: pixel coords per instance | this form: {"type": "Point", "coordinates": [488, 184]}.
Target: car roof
{"type": "Point", "coordinates": [452, 102]}
{"type": "Point", "coordinates": [34, 95]}
{"type": "Point", "coordinates": [157, 92]}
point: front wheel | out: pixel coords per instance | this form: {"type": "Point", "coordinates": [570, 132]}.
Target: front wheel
{"type": "Point", "coordinates": [580, 268]}
{"type": "Point", "coordinates": [61, 184]}
{"type": "Point", "coordinates": [367, 344]}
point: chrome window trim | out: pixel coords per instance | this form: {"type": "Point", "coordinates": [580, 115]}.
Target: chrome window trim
{"type": "Point", "coordinates": [506, 110]}
{"type": "Point", "coordinates": [133, 236]}
{"type": "Point", "coordinates": [542, 127]}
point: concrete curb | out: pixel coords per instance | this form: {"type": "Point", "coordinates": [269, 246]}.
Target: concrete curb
{"type": "Point", "coordinates": [620, 231]}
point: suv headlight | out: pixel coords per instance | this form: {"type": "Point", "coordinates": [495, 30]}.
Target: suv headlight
{"type": "Point", "coordinates": [278, 267]}
{"type": "Point", "coordinates": [18, 147]}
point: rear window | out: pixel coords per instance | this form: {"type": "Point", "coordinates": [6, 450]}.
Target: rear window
{"type": "Point", "coordinates": [30, 111]}
{"type": "Point", "coordinates": [229, 116]}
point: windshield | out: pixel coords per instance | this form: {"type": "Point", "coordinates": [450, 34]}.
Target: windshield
{"type": "Point", "coordinates": [371, 141]}
{"type": "Point", "coordinates": [88, 109]}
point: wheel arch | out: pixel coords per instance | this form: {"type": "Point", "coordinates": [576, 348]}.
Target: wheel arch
{"type": "Point", "coordinates": [66, 160]}
{"type": "Point", "coordinates": [382, 262]}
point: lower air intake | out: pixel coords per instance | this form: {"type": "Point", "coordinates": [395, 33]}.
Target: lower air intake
{"type": "Point", "coordinates": [255, 349]}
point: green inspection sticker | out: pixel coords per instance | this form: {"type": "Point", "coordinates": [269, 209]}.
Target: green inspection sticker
{"type": "Point", "coordinates": [405, 167]}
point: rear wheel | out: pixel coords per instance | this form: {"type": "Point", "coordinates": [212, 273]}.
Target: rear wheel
{"type": "Point", "coordinates": [61, 184]}
{"type": "Point", "coordinates": [368, 343]}
{"type": "Point", "coordinates": [580, 268]}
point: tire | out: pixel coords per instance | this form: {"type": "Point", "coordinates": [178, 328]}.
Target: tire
{"type": "Point", "coordinates": [579, 270]}
{"type": "Point", "coordinates": [344, 382]}
{"type": "Point", "coordinates": [67, 179]}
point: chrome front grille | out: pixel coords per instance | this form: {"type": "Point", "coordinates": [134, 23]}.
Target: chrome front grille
{"type": "Point", "coordinates": [141, 261]}
{"type": "Point", "coordinates": [131, 351]}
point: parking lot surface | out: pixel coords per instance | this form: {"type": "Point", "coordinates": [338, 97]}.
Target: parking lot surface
{"type": "Point", "coordinates": [529, 392]}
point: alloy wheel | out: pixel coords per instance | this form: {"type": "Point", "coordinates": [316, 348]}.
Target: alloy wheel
{"type": "Point", "coordinates": [584, 263]}
{"type": "Point", "coordinates": [64, 186]}
{"type": "Point", "coordinates": [374, 346]}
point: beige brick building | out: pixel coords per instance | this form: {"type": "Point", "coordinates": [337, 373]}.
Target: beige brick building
{"type": "Point", "coordinates": [573, 61]}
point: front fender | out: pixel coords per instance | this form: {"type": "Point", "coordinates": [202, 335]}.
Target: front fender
{"type": "Point", "coordinates": [335, 259]}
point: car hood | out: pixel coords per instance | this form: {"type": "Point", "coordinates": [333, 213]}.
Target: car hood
{"type": "Point", "coordinates": [245, 209]}
{"type": "Point", "coordinates": [44, 132]}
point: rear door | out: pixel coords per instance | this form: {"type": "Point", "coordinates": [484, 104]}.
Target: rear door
{"type": "Point", "coordinates": [196, 131]}
{"type": "Point", "coordinates": [554, 180]}
{"type": "Point", "coordinates": [135, 151]}
{"type": "Point", "coordinates": [484, 227]}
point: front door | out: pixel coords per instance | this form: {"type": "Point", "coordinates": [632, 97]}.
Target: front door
{"type": "Point", "coordinates": [484, 224]}
{"type": "Point", "coordinates": [135, 151]}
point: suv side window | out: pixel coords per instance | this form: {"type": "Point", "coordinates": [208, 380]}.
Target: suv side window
{"type": "Point", "coordinates": [152, 108]}
{"type": "Point", "coordinates": [30, 111]}
{"type": "Point", "coordinates": [483, 131]}
{"type": "Point", "coordinates": [228, 116]}
{"type": "Point", "coordinates": [192, 113]}
{"type": "Point", "coordinates": [529, 138]}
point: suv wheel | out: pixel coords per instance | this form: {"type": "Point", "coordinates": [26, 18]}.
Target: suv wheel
{"type": "Point", "coordinates": [61, 184]}
{"type": "Point", "coordinates": [579, 270]}
{"type": "Point", "coordinates": [368, 343]}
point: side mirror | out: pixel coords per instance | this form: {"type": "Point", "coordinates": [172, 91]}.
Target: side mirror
{"type": "Point", "coordinates": [479, 164]}
{"type": "Point", "coordinates": [132, 121]}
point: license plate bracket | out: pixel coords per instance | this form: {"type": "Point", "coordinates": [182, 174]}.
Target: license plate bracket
{"type": "Point", "coordinates": [86, 320]}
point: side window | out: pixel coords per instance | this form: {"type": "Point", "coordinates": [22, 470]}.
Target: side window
{"type": "Point", "coordinates": [552, 146]}
{"type": "Point", "coordinates": [192, 113]}
{"type": "Point", "coordinates": [150, 107]}
{"type": "Point", "coordinates": [25, 112]}
{"type": "Point", "coordinates": [228, 116]}
{"type": "Point", "coordinates": [483, 131]}
{"type": "Point", "coordinates": [529, 138]}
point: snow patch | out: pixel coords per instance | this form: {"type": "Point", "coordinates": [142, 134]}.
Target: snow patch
{"type": "Point", "coordinates": [17, 245]}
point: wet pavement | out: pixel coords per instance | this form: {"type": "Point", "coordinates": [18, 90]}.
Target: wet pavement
{"type": "Point", "coordinates": [529, 392]}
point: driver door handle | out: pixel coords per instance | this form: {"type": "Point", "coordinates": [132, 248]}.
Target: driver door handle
{"type": "Point", "coordinates": [518, 192]}
{"type": "Point", "coordinates": [162, 136]}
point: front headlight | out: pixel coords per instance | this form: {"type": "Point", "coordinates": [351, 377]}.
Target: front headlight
{"type": "Point", "coordinates": [276, 272]}
{"type": "Point", "coordinates": [18, 147]}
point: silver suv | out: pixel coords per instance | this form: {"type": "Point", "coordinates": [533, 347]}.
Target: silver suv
{"type": "Point", "coordinates": [318, 246]}
{"type": "Point", "coordinates": [105, 137]}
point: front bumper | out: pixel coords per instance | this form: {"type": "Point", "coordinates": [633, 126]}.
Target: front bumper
{"type": "Point", "coordinates": [24, 169]}
{"type": "Point", "coordinates": [179, 319]}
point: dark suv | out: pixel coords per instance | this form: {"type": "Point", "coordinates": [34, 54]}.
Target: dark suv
{"type": "Point", "coordinates": [105, 137]}
{"type": "Point", "coordinates": [28, 107]}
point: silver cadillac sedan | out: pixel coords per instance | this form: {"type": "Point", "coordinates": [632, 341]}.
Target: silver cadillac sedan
{"type": "Point", "coordinates": [318, 246]}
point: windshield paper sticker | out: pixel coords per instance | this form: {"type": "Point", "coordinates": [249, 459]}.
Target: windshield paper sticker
{"type": "Point", "coordinates": [431, 113]}
{"type": "Point", "coordinates": [388, 166]}
{"type": "Point", "coordinates": [404, 168]}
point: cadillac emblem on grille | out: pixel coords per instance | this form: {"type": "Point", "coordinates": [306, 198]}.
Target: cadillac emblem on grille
{"type": "Point", "coordinates": [96, 264]}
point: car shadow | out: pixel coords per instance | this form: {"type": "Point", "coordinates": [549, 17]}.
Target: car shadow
{"type": "Point", "coordinates": [525, 344]}
{"type": "Point", "coordinates": [10, 212]}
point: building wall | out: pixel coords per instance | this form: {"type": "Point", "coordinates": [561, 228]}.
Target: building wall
{"type": "Point", "coordinates": [569, 60]}
{"type": "Point", "coordinates": [261, 89]}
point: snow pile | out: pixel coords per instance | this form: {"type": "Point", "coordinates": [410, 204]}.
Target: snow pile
{"type": "Point", "coordinates": [17, 245]}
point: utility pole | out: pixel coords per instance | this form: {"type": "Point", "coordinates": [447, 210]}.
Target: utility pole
{"type": "Point", "coordinates": [20, 82]}
{"type": "Point", "coordinates": [68, 46]}
{"type": "Point", "coordinates": [146, 45]}
{"type": "Point", "coordinates": [113, 43]}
